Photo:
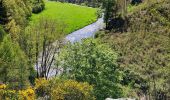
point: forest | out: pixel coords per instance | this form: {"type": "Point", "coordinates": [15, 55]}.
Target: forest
{"type": "Point", "coordinates": [84, 49]}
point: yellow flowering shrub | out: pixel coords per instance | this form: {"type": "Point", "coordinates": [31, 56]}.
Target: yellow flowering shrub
{"type": "Point", "coordinates": [7, 94]}
{"type": "Point", "coordinates": [41, 82]}
{"type": "Point", "coordinates": [2, 86]}
{"type": "Point", "coordinates": [42, 87]}
{"type": "Point", "coordinates": [27, 94]}
{"type": "Point", "coordinates": [71, 90]}
{"type": "Point", "coordinates": [54, 89]}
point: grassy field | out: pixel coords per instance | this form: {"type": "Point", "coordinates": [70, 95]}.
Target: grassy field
{"type": "Point", "coordinates": [73, 16]}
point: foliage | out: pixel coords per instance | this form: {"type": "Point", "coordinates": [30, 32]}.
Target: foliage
{"type": "Point", "coordinates": [42, 42]}
{"type": "Point", "coordinates": [38, 6]}
{"type": "Point", "coordinates": [42, 87]}
{"type": "Point", "coordinates": [13, 64]}
{"type": "Point", "coordinates": [54, 89]}
{"type": "Point", "coordinates": [152, 17]}
{"type": "Point", "coordinates": [90, 3]}
{"type": "Point", "coordinates": [27, 94]}
{"type": "Point", "coordinates": [2, 86]}
{"type": "Point", "coordinates": [69, 14]}
{"type": "Point", "coordinates": [144, 49]}
{"type": "Point", "coordinates": [8, 94]}
{"type": "Point", "coordinates": [58, 89]}
{"type": "Point", "coordinates": [2, 33]}
{"type": "Point", "coordinates": [146, 58]}
{"type": "Point", "coordinates": [14, 15]}
{"type": "Point", "coordinates": [94, 63]}
{"type": "Point", "coordinates": [110, 10]}
{"type": "Point", "coordinates": [71, 90]}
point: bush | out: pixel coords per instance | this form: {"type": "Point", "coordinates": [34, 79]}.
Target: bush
{"type": "Point", "coordinates": [8, 94]}
{"type": "Point", "coordinates": [57, 89]}
{"type": "Point", "coordinates": [71, 90]}
{"type": "Point", "coordinates": [38, 6]}
{"type": "Point", "coordinates": [42, 87]}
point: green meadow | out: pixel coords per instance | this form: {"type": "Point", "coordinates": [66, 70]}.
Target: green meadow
{"type": "Point", "coordinates": [73, 16]}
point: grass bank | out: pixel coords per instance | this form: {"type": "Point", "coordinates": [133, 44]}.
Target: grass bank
{"type": "Point", "coordinates": [73, 16]}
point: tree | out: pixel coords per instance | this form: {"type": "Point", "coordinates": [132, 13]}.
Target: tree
{"type": "Point", "coordinates": [94, 63]}
{"type": "Point", "coordinates": [42, 45]}
{"type": "Point", "coordinates": [14, 15]}
{"type": "Point", "coordinates": [110, 11]}
{"type": "Point", "coordinates": [13, 64]}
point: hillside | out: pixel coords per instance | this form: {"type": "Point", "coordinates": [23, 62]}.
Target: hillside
{"type": "Point", "coordinates": [144, 49]}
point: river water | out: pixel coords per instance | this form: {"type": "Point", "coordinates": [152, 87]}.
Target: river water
{"type": "Point", "coordinates": [86, 32]}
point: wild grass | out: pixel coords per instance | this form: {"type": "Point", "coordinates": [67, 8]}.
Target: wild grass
{"type": "Point", "coordinates": [73, 16]}
{"type": "Point", "coordinates": [135, 8]}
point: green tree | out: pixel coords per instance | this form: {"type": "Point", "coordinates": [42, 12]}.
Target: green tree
{"type": "Point", "coordinates": [14, 15]}
{"type": "Point", "coordinates": [94, 63]}
{"type": "Point", "coordinates": [13, 64]}
{"type": "Point", "coordinates": [110, 10]}
{"type": "Point", "coordinates": [40, 45]}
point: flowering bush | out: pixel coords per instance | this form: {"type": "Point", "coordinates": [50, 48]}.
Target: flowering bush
{"type": "Point", "coordinates": [57, 89]}
{"type": "Point", "coordinates": [71, 90]}
{"type": "Point", "coordinates": [7, 94]}
{"type": "Point", "coordinates": [27, 94]}
{"type": "Point", "coordinates": [42, 87]}
{"type": "Point", "coordinates": [2, 86]}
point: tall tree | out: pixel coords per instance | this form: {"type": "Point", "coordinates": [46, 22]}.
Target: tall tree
{"type": "Point", "coordinates": [13, 64]}
{"type": "Point", "coordinates": [94, 63]}
{"type": "Point", "coordinates": [42, 48]}
{"type": "Point", "coordinates": [14, 14]}
{"type": "Point", "coordinates": [110, 10]}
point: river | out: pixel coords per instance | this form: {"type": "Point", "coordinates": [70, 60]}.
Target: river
{"type": "Point", "coordinates": [86, 32]}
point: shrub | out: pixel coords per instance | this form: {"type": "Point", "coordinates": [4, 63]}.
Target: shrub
{"type": "Point", "coordinates": [71, 90]}
{"type": "Point", "coordinates": [27, 94]}
{"type": "Point", "coordinates": [38, 6]}
{"type": "Point", "coordinates": [57, 89]}
{"type": "Point", "coordinates": [42, 87]}
{"type": "Point", "coordinates": [7, 94]}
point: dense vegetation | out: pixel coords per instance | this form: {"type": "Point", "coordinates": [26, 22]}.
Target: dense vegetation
{"type": "Point", "coordinates": [14, 20]}
{"type": "Point", "coordinates": [55, 89]}
{"type": "Point", "coordinates": [104, 73]}
{"type": "Point", "coordinates": [90, 3]}
{"type": "Point", "coordinates": [143, 47]}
